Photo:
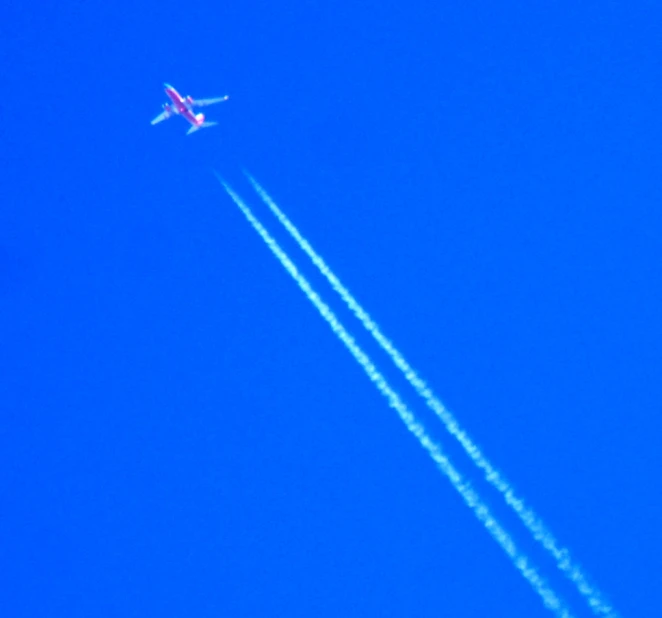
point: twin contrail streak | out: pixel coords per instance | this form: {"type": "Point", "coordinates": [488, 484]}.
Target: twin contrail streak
{"type": "Point", "coordinates": [532, 522]}
{"type": "Point", "coordinates": [470, 497]}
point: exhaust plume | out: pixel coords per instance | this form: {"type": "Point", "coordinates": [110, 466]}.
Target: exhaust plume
{"type": "Point", "coordinates": [468, 494]}
{"type": "Point", "coordinates": [530, 519]}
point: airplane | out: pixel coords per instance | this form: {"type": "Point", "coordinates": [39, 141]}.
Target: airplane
{"type": "Point", "coordinates": [183, 106]}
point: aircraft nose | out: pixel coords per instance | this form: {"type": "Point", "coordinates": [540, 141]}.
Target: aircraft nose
{"type": "Point", "coordinates": [167, 85]}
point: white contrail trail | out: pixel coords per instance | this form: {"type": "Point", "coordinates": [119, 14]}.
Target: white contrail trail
{"type": "Point", "coordinates": [532, 522]}
{"type": "Point", "coordinates": [471, 498]}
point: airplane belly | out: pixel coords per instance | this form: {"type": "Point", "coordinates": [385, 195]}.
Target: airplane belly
{"type": "Point", "coordinates": [189, 116]}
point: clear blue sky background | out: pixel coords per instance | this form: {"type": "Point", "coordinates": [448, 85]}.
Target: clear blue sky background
{"type": "Point", "coordinates": [181, 433]}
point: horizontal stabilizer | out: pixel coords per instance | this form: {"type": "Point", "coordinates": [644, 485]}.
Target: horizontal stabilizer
{"type": "Point", "coordinates": [194, 128]}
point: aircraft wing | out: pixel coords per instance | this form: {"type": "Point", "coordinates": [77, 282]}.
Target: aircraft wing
{"type": "Point", "coordinates": [203, 102]}
{"type": "Point", "coordinates": [162, 116]}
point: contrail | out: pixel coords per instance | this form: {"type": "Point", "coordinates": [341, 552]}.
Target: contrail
{"type": "Point", "coordinates": [470, 497]}
{"type": "Point", "coordinates": [532, 522]}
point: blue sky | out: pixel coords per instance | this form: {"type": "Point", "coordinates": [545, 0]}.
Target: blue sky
{"type": "Point", "coordinates": [183, 435]}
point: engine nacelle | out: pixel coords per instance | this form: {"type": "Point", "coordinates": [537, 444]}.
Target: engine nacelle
{"type": "Point", "coordinates": [189, 99]}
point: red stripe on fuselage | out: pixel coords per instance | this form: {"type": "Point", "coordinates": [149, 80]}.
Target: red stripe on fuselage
{"type": "Point", "coordinates": [175, 97]}
{"type": "Point", "coordinates": [180, 104]}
